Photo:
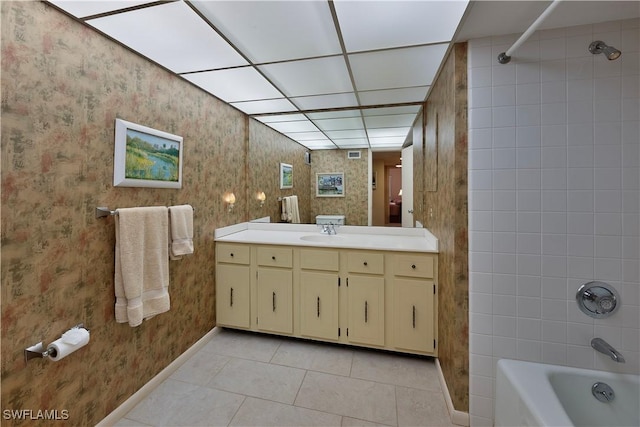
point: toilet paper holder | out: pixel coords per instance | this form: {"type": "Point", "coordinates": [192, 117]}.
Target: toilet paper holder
{"type": "Point", "coordinates": [37, 351]}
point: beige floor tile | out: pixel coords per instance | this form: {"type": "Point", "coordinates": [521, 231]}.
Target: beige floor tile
{"type": "Point", "coordinates": [245, 345]}
{"type": "Point", "coordinates": [176, 403]}
{"type": "Point", "coordinates": [421, 408]}
{"type": "Point", "coordinates": [257, 379]}
{"type": "Point", "coordinates": [200, 368]}
{"type": "Point", "coordinates": [398, 369]}
{"type": "Point", "coordinates": [354, 422]}
{"type": "Point", "coordinates": [315, 357]}
{"type": "Point", "coordinates": [259, 413]}
{"type": "Point", "coordinates": [350, 397]}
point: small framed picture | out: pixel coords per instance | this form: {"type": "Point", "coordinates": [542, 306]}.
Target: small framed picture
{"type": "Point", "coordinates": [330, 184]}
{"type": "Point", "coordinates": [146, 157]}
{"type": "Point", "coordinates": [286, 176]}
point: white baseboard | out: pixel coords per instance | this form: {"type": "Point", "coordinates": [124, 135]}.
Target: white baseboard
{"type": "Point", "coordinates": [146, 389]}
{"type": "Point", "coordinates": [458, 418]}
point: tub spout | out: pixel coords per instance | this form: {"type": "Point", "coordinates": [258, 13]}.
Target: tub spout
{"type": "Point", "coordinates": [603, 347]}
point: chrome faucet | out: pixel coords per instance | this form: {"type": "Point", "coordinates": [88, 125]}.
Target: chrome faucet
{"type": "Point", "coordinates": [329, 229]}
{"type": "Point", "coordinates": [603, 347]}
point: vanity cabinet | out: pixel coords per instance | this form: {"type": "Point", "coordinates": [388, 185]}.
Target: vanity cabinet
{"type": "Point", "coordinates": [319, 290]}
{"type": "Point", "coordinates": [371, 298]}
{"type": "Point", "coordinates": [233, 278]}
{"type": "Point", "coordinates": [365, 297]}
{"type": "Point", "coordinates": [274, 289]}
{"type": "Point", "coordinates": [413, 298]}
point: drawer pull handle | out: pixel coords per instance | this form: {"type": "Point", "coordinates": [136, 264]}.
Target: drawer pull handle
{"type": "Point", "coordinates": [231, 298]}
{"type": "Point", "coordinates": [366, 309]}
{"type": "Point", "coordinates": [414, 317]}
{"type": "Point", "coordinates": [365, 263]}
{"type": "Point", "coordinates": [273, 301]}
{"type": "Point", "coordinates": [413, 266]}
{"type": "Point", "coordinates": [318, 305]}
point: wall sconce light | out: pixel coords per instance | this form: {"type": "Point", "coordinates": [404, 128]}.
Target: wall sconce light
{"type": "Point", "coordinates": [262, 197]}
{"type": "Point", "coordinates": [230, 200]}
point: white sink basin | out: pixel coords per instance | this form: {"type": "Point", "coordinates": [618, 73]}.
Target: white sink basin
{"type": "Point", "coordinates": [324, 238]}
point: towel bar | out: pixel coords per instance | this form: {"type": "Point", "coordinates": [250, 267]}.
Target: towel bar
{"type": "Point", "coordinates": [102, 211]}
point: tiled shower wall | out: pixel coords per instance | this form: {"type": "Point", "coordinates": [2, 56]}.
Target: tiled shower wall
{"type": "Point", "coordinates": [554, 185]}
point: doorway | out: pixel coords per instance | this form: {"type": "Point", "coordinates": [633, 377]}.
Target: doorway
{"type": "Point", "coordinates": [386, 196]}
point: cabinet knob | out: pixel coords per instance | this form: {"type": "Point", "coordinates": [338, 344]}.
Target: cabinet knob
{"type": "Point", "coordinates": [273, 258]}
{"type": "Point", "coordinates": [413, 266]}
{"type": "Point", "coordinates": [231, 254]}
{"type": "Point", "coordinates": [365, 263]}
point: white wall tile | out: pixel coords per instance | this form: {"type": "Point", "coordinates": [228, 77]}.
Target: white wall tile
{"type": "Point", "coordinates": [563, 195]}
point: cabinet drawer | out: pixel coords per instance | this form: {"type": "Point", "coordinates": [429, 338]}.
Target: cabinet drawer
{"type": "Point", "coordinates": [365, 262]}
{"type": "Point", "coordinates": [317, 259]}
{"type": "Point", "coordinates": [413, 265]}
{"type": "Point", "coordinates": [275, 257]}
{"type": "Point", "coordinates": [234, 254]}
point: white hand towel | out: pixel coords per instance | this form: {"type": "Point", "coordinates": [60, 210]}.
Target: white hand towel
{"type": "Point", "coordinates": [180, 231]}
{"type": "Point", "coordinates": [141, 264]}
{"type": "Point", "coordinates": [295, 213]}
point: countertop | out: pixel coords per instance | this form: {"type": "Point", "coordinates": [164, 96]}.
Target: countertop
{"type": "Point", "coordinates": [348, 237]}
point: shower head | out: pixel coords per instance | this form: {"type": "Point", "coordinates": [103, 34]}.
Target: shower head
{"type": "Point", "coordinates": [610, 52]}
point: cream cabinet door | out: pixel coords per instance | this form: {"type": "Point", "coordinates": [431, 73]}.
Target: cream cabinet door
{"type": "Point", "coordinates": [232, 295]}
{"type": "Point", "coordinates": [365, 301]}
{"type": "Point", "coordinates": [413, 314]}
{"type": "Point", "coordinates": [275, 300]}
{"type": "Point", "coordinates": [319, 305]}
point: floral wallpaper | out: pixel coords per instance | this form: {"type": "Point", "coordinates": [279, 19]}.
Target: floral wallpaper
{"type": "Point", "coordinates": [354, 205]}
{"type": "Point", "coordinates": [63, 85]}
{"type": "Point", "coordinates": [445, 195]}
{"type": "Point", "coordinates": [267, 149]}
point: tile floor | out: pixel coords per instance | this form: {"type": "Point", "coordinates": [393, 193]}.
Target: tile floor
{"type": "Point", "coordinates": [246, 379]}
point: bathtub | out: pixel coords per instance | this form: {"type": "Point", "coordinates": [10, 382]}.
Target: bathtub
{"type": "Point", "coordinates": [536, 394]}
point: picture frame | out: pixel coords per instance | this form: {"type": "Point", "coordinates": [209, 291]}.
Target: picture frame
{"type": "Point", "coordinates": [146, 157]}
{"type": "Point", "coordinates": [330, 184]}
{"type": "Point", "coordinates": [286, 175]}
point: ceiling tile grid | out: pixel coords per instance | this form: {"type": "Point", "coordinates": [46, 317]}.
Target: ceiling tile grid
{"type": "Point", "coordinates": [312, 70]}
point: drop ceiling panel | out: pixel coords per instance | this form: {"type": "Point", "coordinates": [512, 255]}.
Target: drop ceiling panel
{"type": "Point", "coordinates": [390, 121]}
{"type": "Point", "coordinates": [318, 76]}
{"type": "Point", "coordinates": [320, 102]}
{"type": "Point", "coordinates": [352, 143]}
{"type": "Point", "coordinates": [267, 106]}
{"type": "Point", "coordinates": [385, 111]}
{"type": "Point", "coordinates": [235, 84]}
{"type": "Point", "coordinates": [80, 9]}
{"type": "Point", "coordinates": [307, 136]}
{"type": "Point", "coordinates": [397, 68]}
{"type": "Point", "coordinates": [281, 118]}
{"type": "Point", "coordinates": [387, 142]}
{"type": "Point", "coordinates": [334, 114]}
{"type": "Point", "coordinates": [393, 96]}
{"type": "Point", "coordinates": [397, 23]}
{"type": "Point", "coordinates": [388, 132]}
{"type": "Point", "coordinates": [288, 127]}
{"type": "Point", "coordinates": [340, 124]}
{"type": "Point", "coordinates": [268, 31]}
{"type": "Point", "coordinates": [319, 145]}
{"type": "Point", "coordinates": [172, 35]}
{"type": "Point", "coordinates": [346, 134]}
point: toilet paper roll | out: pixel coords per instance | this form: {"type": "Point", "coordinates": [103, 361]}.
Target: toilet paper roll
{"type": "Point", "coordinates": [70, 341]}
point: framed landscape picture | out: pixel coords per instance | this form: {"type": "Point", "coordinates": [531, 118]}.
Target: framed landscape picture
{"type": "Point", "coordinates": [146, 157]}
{"type": "Point", "coordinates": [330, 184]}
{"type": "Point", "coordinates": [286, 176]}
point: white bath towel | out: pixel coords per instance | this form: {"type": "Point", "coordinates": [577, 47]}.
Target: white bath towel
{"type": "Point", "coordinates": [180, 231]}
{"type": "Point", "coordinates": [141, 263]}
{"type": "Point", "coordinates": [294, 213]}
